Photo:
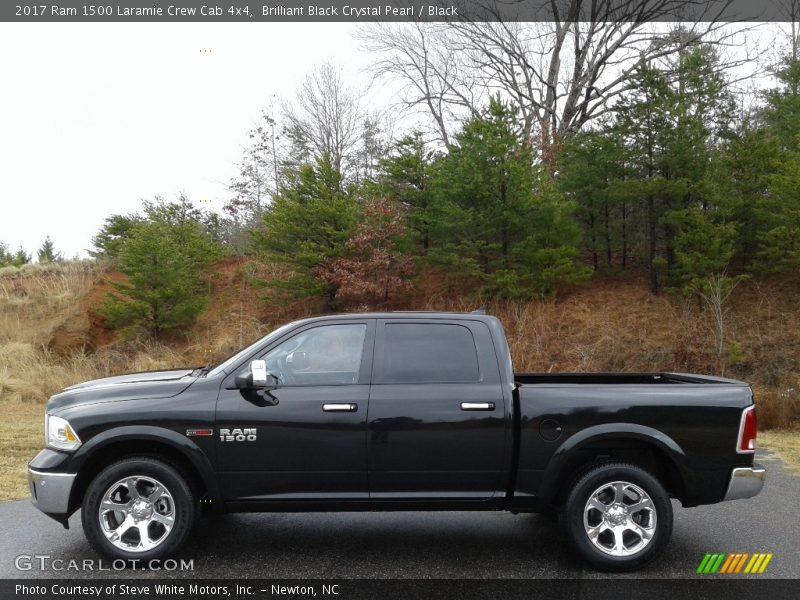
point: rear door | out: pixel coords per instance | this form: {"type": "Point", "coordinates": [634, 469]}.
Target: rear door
{"type": "Point", "coordinates": [437, 420]}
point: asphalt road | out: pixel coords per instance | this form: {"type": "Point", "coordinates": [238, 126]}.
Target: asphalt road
{"type": "Point", "coordinates": [426, 545]}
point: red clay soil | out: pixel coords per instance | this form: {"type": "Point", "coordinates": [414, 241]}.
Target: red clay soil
{"type": "Point", "coordinates": [85, 330]}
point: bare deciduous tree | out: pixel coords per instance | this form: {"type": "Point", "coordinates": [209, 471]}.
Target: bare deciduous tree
{"type": "Point", "coordinates": [258, 178]}
{"type": "Point", "coordinates": [326, 118]}
{"type": "Point", "coordinates": [790, 11]}
{"type": "Point", "coordinates": [714, 291]}
{"type": "Point", "coordinates": [561, 74]}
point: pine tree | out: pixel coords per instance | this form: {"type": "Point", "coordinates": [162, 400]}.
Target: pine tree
{"type": "Point", "coordinates": [673, 125]}
{"type": "Point", "coordinates": [47, 253]}
{"type": "Point", "coordinates": [165, 257]}
{"type": "Point", "coordinates": [112, 236]}
{"type": "Point", "coordinates": [592, 170]}
{"type": "Point", "coordinates": [406, 177]}
{"type": "Point", "coordinates": [778, 232]}
{"type": "Point", "coordinates": [16, 259]}
{"type": "Point", "coordinates": [306, 226]}
{"type": "Point", "coordinates": [495, 215]}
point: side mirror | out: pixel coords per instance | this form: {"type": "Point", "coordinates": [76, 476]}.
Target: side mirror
{"type": "Point", "coordinates": [255, 378]}
{"type": "Point", "coordinates": [298, 360]}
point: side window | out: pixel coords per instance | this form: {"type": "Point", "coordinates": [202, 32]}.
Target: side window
{"type": "Point", "coordinates": [429, 353]}
{"type": "Point", "coordinates": [325, 355]}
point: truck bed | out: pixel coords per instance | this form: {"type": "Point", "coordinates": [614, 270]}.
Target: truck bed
{"type": "Point", "coordinates": [618, 378]}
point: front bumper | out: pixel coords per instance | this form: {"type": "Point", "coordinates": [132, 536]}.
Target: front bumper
{"type": "Point", "coordinates": [746, 482]}
{"type": "Point", "coordinates": [50, 492]}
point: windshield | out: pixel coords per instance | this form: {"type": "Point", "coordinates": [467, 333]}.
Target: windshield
{"type": "Point", "coordinates": [229, 362]}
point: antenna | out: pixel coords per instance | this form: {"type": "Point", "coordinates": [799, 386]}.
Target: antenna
{"type": "Point", "coordinates": [480, 311]}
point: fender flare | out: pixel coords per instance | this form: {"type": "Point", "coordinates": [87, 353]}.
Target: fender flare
{"type": "Point", "coordinates": [553, 476]}
{"type": "Point", "coordinates": [186, 447]}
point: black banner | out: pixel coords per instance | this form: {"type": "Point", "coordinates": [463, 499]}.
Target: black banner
{"type": "Point", "coordinates": [404, 589]}
{"type": "Point", "coordinates": [393, 10]}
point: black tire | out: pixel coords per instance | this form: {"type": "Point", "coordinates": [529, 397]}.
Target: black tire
{"type": "Point", "coordinates": [183, 506]}
{"type": "Point", "coordinates": [572, 517]}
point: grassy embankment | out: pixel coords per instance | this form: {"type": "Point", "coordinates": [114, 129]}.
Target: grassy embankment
{"type": "Point", "coordinates": [48, 314]}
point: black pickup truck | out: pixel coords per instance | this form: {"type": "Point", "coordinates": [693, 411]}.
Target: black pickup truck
{"type": "Point", "coordinates": [393, 411]}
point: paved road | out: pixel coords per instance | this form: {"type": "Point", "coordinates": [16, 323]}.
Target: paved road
{"type": "Point", "coordinates": [427, 545]}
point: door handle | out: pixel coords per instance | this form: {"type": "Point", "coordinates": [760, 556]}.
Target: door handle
{"type": "Point", "coordinates": [477, 406]}
{"type": "Point", "coordinates": [340, 407]}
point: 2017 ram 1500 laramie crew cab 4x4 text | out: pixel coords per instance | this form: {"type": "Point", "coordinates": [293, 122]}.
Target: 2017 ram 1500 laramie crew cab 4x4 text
{"type": "Point", "coordinates": [393, 411]}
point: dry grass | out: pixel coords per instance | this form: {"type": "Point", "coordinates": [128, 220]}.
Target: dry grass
{"type": "Point", "coordinates": [785, 443]}
{"type": "Point", "coordinates": [21, 432]}
{"type": "Point", "coordinates": [34, 374]}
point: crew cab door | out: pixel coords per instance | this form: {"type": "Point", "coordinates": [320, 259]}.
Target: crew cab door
{"type": "Point", "coordinates": [306, 439]}
{"type": "Point", "coordinates": [438, 420]}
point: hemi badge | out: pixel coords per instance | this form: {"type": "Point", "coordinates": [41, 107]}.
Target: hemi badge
{"type": "Point", "coordinates": [191, 432]}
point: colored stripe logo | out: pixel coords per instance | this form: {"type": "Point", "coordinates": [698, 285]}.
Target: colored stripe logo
{"type": "Point", "coordinates": [734, 563]}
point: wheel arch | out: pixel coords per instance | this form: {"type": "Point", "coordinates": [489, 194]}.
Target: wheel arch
{"type": "Point", "coordinates": [640, 445]}
{"type": "Point", "coordinates": [156, 442]}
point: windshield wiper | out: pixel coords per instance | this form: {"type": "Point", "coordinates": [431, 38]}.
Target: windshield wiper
{"type": "Point", "coordinates": [202, 371]}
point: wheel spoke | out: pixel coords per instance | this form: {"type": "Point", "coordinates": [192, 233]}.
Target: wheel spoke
{"type": "Point", "coordinates": [596, 504]}
{"type": "Point", "coordinates": [110, 505]}
{"type": "Point", "coordinates": [116, 534]}
{"type": "Point", "coordinates": [157, 492]}
{"type": "Point", "coordinates": [642, 532]}
{"type": "Point", "coordinates": [133, 493]}
{"type": "Point", "coordinates": [594, 532]}
{"type": "Point", "coordinates": [145, 543]}
{"type": "Point", "coordinates": [619, 492]}
{"type": "Point", "coordinates": [619, 544]}
{"type": "Point", "coordinates": [166, 520]}
{"type": "Point", "coordinates": [642, 503]}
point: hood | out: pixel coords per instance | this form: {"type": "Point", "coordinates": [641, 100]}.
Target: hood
{"type": "Point", "coordinates": [150, 384]}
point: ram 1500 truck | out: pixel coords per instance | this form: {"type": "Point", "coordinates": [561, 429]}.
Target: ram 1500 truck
{"type": "Point", "coordinates": [393, 411]}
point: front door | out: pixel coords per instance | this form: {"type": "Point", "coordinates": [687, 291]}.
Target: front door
{"type": "Point", "coordinates": [438, 419]}
{"type": "Point", "coordinates": [306, 439]}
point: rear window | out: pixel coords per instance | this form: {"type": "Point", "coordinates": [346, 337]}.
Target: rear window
{"type": "Point", "coordinates": [429, 353]}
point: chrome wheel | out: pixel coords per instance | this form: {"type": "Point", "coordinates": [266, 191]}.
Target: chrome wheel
{"type": "Point", "coordinates": [619, 518]}
{"type": "Point", "coordinates": [137, 513]}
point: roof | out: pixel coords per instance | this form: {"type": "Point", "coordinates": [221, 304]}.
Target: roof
{"type": "Point", "coordinates": [419, 314]}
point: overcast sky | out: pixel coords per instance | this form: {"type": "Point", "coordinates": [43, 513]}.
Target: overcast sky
{"type": "Point", "coordinates": [96, 117]}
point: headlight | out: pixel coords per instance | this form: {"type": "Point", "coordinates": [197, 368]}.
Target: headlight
{"type": "Point", "coordinates": [59, 435]}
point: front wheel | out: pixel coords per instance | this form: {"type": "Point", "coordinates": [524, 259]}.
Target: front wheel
{"type": "Point", "coordinates": [618, 517]}
{"type": "Point", "coordinates": [138, 509]}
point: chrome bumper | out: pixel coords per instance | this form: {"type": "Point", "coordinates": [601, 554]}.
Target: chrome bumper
{"type": "Point", "coordinates": [50, 491]}
{"type": "Point", "coordinates": [746, 482]}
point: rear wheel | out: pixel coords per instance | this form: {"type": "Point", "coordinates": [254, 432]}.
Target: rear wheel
{"type": "Point", "coordinates": [138, 508]}
{"type": "Point", "coordinates": [618, 517]}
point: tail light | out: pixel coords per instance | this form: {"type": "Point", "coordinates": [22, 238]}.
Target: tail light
{"type": "Point", "coordinates": [747, 431]}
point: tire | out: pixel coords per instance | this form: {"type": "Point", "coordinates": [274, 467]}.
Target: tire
{"type": "Point", "coordinates": [598, 521]}
{"type": "Point", "coordinates": [161, 506]}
